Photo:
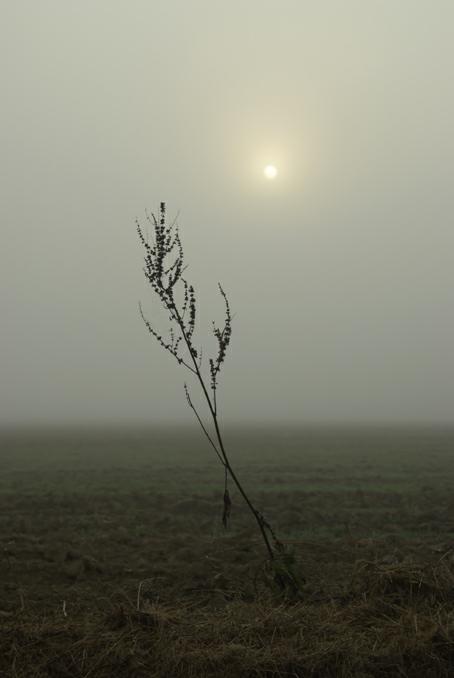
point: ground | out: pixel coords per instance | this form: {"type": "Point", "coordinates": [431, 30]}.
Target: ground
{"type": "Point", "coordinates": [114, 560]}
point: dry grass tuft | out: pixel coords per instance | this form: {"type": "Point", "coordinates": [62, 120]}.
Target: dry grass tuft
{"type": "Point", "coordinates": [393, 621]}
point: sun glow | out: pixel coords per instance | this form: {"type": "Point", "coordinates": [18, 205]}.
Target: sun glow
{"type": "Point", "coordinates": [270, 171]}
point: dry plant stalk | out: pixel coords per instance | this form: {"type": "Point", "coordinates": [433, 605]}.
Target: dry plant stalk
{"type": "Point", "coordinates": [164, 268]}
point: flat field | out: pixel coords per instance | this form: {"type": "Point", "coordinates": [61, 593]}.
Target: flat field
{"type": "Point", "coordinates": [114, 560]}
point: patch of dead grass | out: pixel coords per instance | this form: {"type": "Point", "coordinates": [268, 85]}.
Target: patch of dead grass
{"type": "Point", "coordinates": [394, 621]}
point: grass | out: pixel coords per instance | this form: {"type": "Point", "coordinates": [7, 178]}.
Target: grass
{"type": "Point", "coordinates": [86, 516]}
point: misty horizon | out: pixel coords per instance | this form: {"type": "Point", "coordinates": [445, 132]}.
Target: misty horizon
{"type": "Point", "coordinates": [338, 270]}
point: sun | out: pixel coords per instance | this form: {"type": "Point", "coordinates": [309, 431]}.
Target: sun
{"type": "Point", "coordinates": [270, 171]}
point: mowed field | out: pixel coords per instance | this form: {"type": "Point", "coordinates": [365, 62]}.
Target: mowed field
{"type": "Point", "coordinates": [114, 560]}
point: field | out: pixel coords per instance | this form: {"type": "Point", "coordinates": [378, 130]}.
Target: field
{"type": "Point", "coordinates": [114, 560]}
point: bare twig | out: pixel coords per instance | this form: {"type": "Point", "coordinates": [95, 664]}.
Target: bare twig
{"type": "Point", "coordinates": [202, 425]}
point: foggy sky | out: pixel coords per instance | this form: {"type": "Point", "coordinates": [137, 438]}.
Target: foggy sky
{"type": "Point", "coordinates": [340, 272]}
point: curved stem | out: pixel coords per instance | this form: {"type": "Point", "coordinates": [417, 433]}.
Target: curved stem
{"type": "Point", "coordinates": [228, 466]}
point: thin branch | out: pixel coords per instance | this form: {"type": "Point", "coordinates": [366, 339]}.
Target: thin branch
{"type": "Point", "coordinates": [191, 405]}
{"type": "Point", "coordinates": [168, 347]}
{"type": "Point", "coordinates": [215, 404]}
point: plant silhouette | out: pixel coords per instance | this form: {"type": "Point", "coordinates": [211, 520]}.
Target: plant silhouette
{"type": "Point", "coordinates": [164, 269]}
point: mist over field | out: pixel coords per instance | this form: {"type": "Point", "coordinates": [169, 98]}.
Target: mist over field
{"type": "Point", "coordinates": [339, 271]}
{"type": "Point", "coordinates": [306, 152]}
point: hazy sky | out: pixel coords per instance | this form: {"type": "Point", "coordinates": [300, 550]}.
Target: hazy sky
{"type": "Point", "coordinates": [340, 271]}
